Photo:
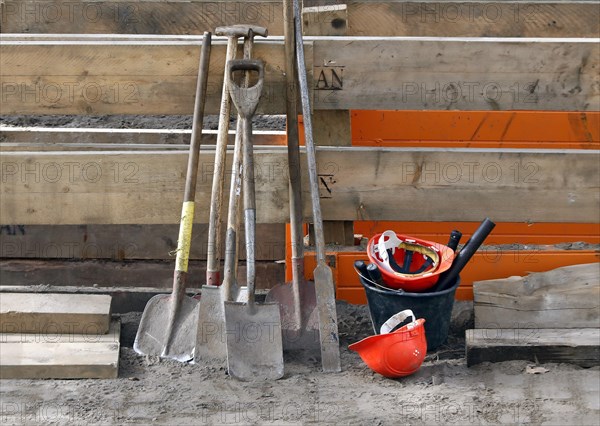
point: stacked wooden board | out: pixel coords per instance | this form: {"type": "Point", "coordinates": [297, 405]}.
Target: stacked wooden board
{"type": "Point", "coordinates": [550, 316]}
{"type": "Point", "coordinates": [58, 336]}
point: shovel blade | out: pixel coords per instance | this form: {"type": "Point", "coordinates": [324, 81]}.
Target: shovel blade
{"type": "Point", "coordinates": [328, 327]}
{"type": "Point", "coordinates": [303, 336]}
{"type": "Point", "coordinates": [210, 341]}
{"type": "Point", "coordinates": [152, 334]}
{"type": "Point", "coordinates": [254, 346]}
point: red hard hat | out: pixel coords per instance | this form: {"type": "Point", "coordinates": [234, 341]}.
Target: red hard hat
{"type": "Point", "coordinates": [398, 353]}
{"type": "Point", "coordinates": [440, 259]}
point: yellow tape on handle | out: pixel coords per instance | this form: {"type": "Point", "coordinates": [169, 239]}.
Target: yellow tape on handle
{"type": "Point", "coordinates": [185, 236]}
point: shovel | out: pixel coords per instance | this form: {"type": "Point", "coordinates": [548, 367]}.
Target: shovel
{"type": "Point", "coordinates": [325, 290]}
{"type": "Point", "coordinates": [254, 345]}
{"type": "Point", "coordinates": [169, 323]}
{"type": "Point", "coordinates": [297, 302]}
{"type": "Point", "coordinates": [210, 342]}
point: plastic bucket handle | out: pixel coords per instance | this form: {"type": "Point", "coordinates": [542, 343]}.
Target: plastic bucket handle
{"type": "Point", "coordinates": [396, 319]}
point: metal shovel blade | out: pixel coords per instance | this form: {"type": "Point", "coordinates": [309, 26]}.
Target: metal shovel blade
{"type": "Point", "coordinates": [328, 327]}
{"type": "Point", "coordinates": [152, 334]}
{"type": "Point", "coordinates": [304, 336]}
{"type": "Point", "coordinates": [254, 346]}
{"type": "Point", "coordinates": [210, 341]}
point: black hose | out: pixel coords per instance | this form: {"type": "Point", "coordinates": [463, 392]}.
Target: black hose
{"type": "Point", "coordinates": [455, 237]}
{"type": "Point", "coordinates": [375, 274]}
{"type": "Point", "coordinates": [361, 267]}
{"type": "Point", "coordinates": [448, 278]}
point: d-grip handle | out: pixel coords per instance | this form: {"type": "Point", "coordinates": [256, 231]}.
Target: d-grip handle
{"type": "Point", "coordinates": [245, 98]}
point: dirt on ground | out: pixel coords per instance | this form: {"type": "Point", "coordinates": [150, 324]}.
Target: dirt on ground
{"type": "Point", "coordinates": [443, 391]}
{"type": "Point", "coordinates": [211, 122]}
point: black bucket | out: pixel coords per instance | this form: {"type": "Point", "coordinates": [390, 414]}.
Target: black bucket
{"type": "Point", "coordinates": [435, 307]}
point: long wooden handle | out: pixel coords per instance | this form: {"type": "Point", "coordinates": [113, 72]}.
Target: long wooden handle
{"type": "Point", "coordinates": [308, 138]}
{"type": "Point", "coordinates": [216, 203]}
{"type": "Point", "coordinates": [187, 212]}
{"type": "Point", "coordinates": [249, 209]}
{"type": "Point", "coordinates": [295, 188]}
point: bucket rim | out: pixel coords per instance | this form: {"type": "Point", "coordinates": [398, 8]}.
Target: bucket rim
{"type": "Point", "coordinates": [366, 284]}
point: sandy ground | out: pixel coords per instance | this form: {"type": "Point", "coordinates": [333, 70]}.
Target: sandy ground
{"type": "Point", "coordinates": [443, 391]}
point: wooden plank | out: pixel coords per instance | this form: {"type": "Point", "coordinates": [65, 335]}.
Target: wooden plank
{"type": "Point", "coordinates": [474, 19]}
{"type": "Point", "coordinates": [64, 138]}
{"type": "Point", "coordinates": [440, 74]}
{"type": "Point", "coordinates": [566, 297]}
{"type": "Point", "coordinates": [124, 299]}
{"type": "Point", "coordinates": [61, 356]}
{"type": "Point", "coordinates": [533, 18]}
{"type": "Point", "coordinates": [54, 188]}
{"type": "Point", "coordinates": [124, 242]}
{"type": "Point", "coordinates": [577, 346]}
{"type": "Point", "coordinates": [54, 313]}
{"type": "Point", "coordinates": [157, 274]}
{"type": "Point", "coordinates": [422, 73]}
{"type": "Point", "coordinates": [105, 75]}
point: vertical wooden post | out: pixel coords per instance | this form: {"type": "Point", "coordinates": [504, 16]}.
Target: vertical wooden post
{"type": "Point", "coordinates": [330, 127]}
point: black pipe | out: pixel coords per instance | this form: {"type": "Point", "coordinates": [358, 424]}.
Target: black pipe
{"type": "Point", "coordinates": [455, 237]}
{"type": "Point", "coordinates": [375, 274]}
{"type": "Point", "coordinates": [462, 258]}
{"type": "Point", "coordinates": [361, 267]}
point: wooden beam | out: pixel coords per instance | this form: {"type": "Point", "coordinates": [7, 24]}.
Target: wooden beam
{"type": "Point", "coordinates": [533, 18]}
{"type": "Point", "coordinates": [402, 184]}
{"type": "Point", "coordinates": [112, 76]}
{"type": "Point", "coordinates": [441, 74]}
{"type": "Point", "coordinates": [133, 75]}
{"type": "Point", "coordinates": [566, 297]}
{"type": "Point", "coordinates": [577, 346]}
{"type": "Point", "coordinates": [61, 356]}
{"type": "Point", "coordinates": [54, 313]}
{"type": "Point", "coordinates": [124, 242]}
{"type": "Point", "coordinates": [122, 274]}
{"type": "Point", "coordinates": [123, 299]}
{"type": "Point", "coordinates": [65, 138]}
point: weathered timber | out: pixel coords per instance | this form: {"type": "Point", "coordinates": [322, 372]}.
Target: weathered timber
{"type": "Point", "coordinates": [120, 274]}
{"type": "Point", "coordinates": [533, 18]}
{"type": "Point", "coordinates": [54, 313]}
{"type": "Point", "coordinates": [61, 356]}
{"type": "Point", "coordinates": [53, 188]}
{"type": "Point", "coordinates": [133, 75]}
{"type": "Point", "coordinates": [567, 297]}
{"type": "Point", "coordinates": [123, 299]}
{"type": "Point", "coordinates": [123, 242]}
{"type": "Point", "coordinates": [579, 346]}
